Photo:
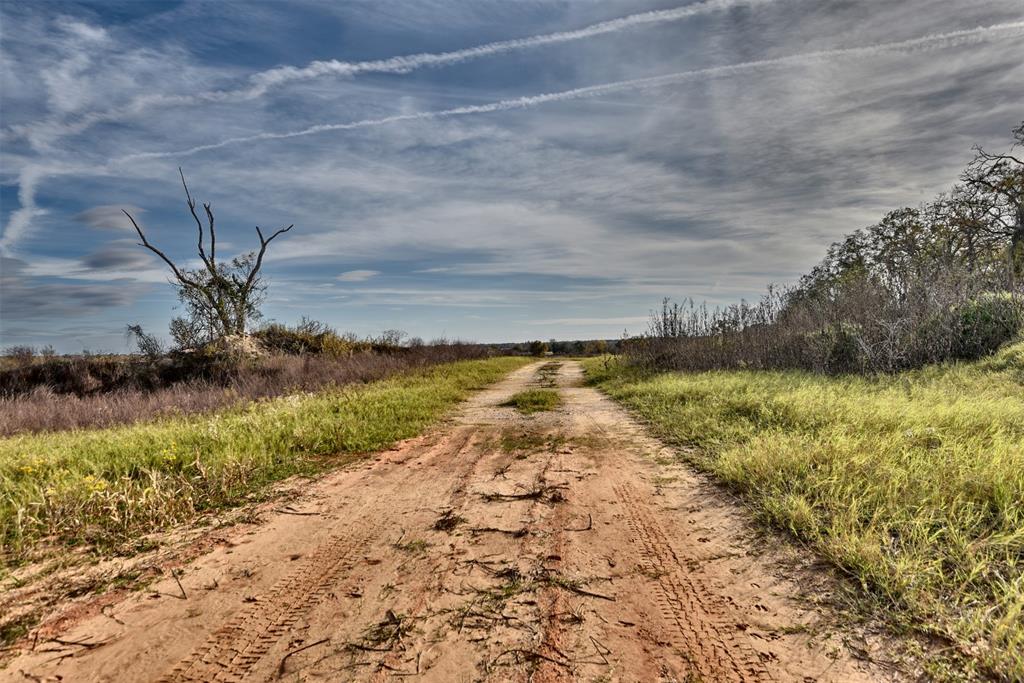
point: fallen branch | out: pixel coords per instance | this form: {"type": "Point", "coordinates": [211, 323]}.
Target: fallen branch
{"type": "Point", "coordinates": [514, 533]}
{"type": "Point", "coordinates": [280, 667]}
{"type": "Point", "coordinates": [84, 644]}
{"type": "Point", "coordinates": [78, 643]}
{"type": "Point", "coordinates": [582, 591]}
{"type": "Point", "coordinates": [531, 654]}
{"type": "Point", "coordinates": [395, 671]}
{"type": "Point", "coordinates": [184, 595]}
{"type": "Point", "coordinates": [367, 648]}
{"type": "Point", "coordinates": [289, 510]}
{"type": "Point", "coordinates": [532, 494]}
{"type": "Point", "coordinates": [602, 651]}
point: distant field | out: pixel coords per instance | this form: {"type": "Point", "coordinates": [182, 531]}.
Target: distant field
{"type": "Point", "coordinates": [911, 483]}
{"type": "Point", "coordinates": [103, 488]}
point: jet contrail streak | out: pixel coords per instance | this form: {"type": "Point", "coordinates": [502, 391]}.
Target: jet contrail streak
{"type": "Point", "coordinates": [409, 63]}
{"type": "Point", "coordinates": [264, 81]}
{"type": "Point", "coordinates": [954, 38]}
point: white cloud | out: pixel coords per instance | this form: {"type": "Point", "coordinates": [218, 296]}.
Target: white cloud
{"type": "Point", "coordinates": [950, 39]}
{"type": "Point", "coordinates": [358, 275]}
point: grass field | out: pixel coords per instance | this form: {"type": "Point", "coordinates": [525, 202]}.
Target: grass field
{"type": "Point", "coordinates": [912, 483]}
{"type": "Point", "coordinates": [534, 401]}
{"type": "Point", "coordinates": [104, 488]}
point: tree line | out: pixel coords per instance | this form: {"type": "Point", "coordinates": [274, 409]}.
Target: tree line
{"type": "Point", "coordinates": [939, 281]}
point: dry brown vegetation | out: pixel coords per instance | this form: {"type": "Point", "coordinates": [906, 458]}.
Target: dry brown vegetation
{"type": "Point", "coordinates": [55, 393]}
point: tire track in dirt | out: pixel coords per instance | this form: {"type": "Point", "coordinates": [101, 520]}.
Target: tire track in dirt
{"type": "Point", "coordinates": [717, 648]}
{"type": "Point", "coordinates": [230, 653]}
{"type": "Point", "coordinates": [233, 649]}
{"type": "Point", "coordinates": [434, 585]}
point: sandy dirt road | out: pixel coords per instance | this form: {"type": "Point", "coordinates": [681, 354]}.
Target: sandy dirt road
{"type": "Point", "coordinates": [562, 546]}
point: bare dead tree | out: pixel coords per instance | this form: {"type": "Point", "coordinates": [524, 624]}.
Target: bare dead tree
{"type": "Point", "coordinates": [1000, 177]}
{"type": "Point", "coordinates": [220, 298]}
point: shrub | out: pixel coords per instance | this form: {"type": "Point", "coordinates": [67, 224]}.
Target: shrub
{"type": "Point", "coordinates": [20, 354]}
{"type": "Point", "coordinates": [988, 321]}
{"type": "Point", "coordinates": [308, 337]}
{"type": "Point", "coordinates": [839, 347]}
{"type": "Point", "coordinates": [147, 344]}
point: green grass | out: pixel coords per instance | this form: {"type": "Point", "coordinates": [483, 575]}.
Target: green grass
{"type": "Point", "coordinates": [104, 488]}
{"type": "Point", "coordinates": [534, 401]}
{"type": "Point", "coordinates": [913, 483]}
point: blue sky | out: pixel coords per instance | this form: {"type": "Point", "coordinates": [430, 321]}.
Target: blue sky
{"type": "Point", "coordinates": [557, 185]}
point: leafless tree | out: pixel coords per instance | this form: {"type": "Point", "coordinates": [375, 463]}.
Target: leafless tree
{"type": "Point", "coordinates": [220, 298]}
{"type": "Point", "coordinates": [1001, 178]}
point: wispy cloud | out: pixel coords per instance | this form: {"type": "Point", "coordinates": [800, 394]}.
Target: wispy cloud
{"type": "Point", "coordinates": [590, 322]}
{"type": "Point", "coordinates": [109, 216]}
{"type": "Point", "coordinates": [19, 222]}
{"type": "Point", "coordinates": [358, 275]}
{"type": "Point", "coordinates": [260, 83]}
{"type": "Point", "coordinates": [936, 41]}
{"type": "Point", "coordinates": [695, 157]}
{"type": "Point", "coordinates": [63, 83]}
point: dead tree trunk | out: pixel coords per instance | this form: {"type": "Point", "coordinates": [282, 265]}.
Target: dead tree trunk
{"type": "Point", "coordinates": [221, 297]}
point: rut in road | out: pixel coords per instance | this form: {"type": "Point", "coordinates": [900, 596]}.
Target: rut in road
{"type": "Point", "coordinates": [567, 545]}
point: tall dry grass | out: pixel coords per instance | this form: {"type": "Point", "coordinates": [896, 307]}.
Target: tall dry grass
{"type": "Point", "coordinates": [75, 393]}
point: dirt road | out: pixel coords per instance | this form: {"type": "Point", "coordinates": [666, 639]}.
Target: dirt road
{"type": "Point", "coordinates": [556, 547]}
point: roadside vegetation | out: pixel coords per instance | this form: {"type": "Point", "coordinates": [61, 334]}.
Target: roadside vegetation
{"type": "Point", "coordinates": [926, 284]}
{"type": "Point", "coordinates": [875, 410]}
{"type": "Point", "coordinates": [223, 353]}
{"type": "Point", "coordinates": [44, 392]}
{"type": "Point", "coordinates": [102, 489]}
{"type": "Point", "coordinates": [534, 401]}
{"type": "Point", "coordinates": [911, 483]}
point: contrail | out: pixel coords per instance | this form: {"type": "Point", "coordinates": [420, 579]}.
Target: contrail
{"type": "Point", "coordinates": [262, 82]}
{"type": "Point", "coordinates": [954, 38]}
{"type": "Point", "coordinates": [19, 220]}
{"type": "Point", "coordinates": [409, 63]}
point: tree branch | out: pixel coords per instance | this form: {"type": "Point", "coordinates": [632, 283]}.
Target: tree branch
{"type": "Point", "coordinates": [213, 233]}
{"type": "Point", "coordinates": [199, 224]}
{"type": "Point", "coordinates": [177, 273]}
{"type": "Point", "coordinates": [263, 249]}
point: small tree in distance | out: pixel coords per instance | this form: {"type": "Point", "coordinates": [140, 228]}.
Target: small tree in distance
{"type": "Point", "coordinates": [538, 348]}
{"type": "Point", "coordinates": [221, 298]}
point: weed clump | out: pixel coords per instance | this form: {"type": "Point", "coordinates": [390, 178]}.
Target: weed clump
{"type": "Point", "coordinates": [448, 521]}
{"type": "Point", "coordinates": [534, 401]}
